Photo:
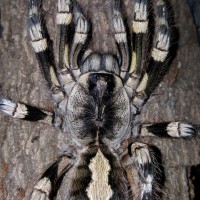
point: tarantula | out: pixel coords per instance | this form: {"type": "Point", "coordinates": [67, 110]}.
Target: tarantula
{"type": "Point", "coordinates": [99, 95]}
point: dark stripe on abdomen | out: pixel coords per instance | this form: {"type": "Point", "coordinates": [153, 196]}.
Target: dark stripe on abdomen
{"type": "Point", "coordinates": [82, 176]}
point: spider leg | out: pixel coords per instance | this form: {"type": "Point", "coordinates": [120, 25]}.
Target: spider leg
{"type": "Point", "coordinates": [142, 171]}
{"type": "Point", "coordinates": [140, 45]}
{"type": "Point", "coordinates": [121, 40]}
{"type": "Point", "coordinates": [80, 37]}
{"type": "Point", "coordinates": [26, 112]}
{"type": "Point", "coordinates": [158, 63]}
{"type": "Point", "coordinates": [42, 47]}
{"type": "Point", "coordinates": [47, 185]}
{"type": "Point", "coordinates": [172, 129]}
{"type": "Point", "coordinates": [64, 20]}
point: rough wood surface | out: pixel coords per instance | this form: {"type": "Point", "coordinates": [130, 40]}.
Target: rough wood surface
{"type": "Point", "coordinates": [27, 149]}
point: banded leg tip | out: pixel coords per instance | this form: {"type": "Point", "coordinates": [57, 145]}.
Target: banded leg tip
{"type": "Point", "coordinates": [82, 25]}
{"type": "Point", "coordinates": [141, 153]}
{"type": "Point", "coordinates": [180, 129]}
{"type": "Point", "coordinates": [41, 190]}
{"type": "Point", "coordinates": [7, 106]}
{"type": "Point", "coordinates": [38, 195]}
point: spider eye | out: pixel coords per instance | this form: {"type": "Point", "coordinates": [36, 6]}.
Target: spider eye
{"type": "Point", "coordinates": [97, 77]}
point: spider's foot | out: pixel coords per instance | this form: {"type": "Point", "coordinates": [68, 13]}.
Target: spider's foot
{"type": "Point", "coordinates": [180, 129]}
{"type": "Point", "coordinates": [23, 111]}
{"type": "Point", "coordinates": [41, 190]}
{"type": "Point", "coordinates": [173, 129]}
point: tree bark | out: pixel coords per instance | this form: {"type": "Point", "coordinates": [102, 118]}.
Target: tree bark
{"type": "Point", "coordinates": [28, 149]}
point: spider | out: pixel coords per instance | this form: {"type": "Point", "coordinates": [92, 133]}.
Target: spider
{"type": "Point", "coordinates": [99, 95]}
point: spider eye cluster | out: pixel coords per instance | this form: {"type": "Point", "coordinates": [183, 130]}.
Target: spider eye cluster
{"type": "Point", "coordinates": [101, 85]}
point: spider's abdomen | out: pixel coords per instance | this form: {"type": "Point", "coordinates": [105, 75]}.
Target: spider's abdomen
{"type": "Point", "coordinates": [98, 175]}
{"type": "Point", "coordinates": [98, 106]}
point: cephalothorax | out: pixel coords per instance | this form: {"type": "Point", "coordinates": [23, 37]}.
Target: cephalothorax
{"type": "Point", "coordinates": [99, 91]}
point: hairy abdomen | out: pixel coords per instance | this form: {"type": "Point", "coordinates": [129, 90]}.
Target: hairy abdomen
{"type": "Point", "coordinates": [96, 176]}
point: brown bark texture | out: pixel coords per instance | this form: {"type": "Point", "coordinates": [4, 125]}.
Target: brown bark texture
{"type": "Point", "coordinates": [27, 149]}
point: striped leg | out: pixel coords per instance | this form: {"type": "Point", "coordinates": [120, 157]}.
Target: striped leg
{"type": "Point", "coordinates": [46, 187]}
{"type": "Point", "coordinates": [140, 45]}
{"type": "Point", "coordinates": [144, 170]}
{"type": "Point", "coordinates": [63, 20]}
{"type": "Point", "coordinates": [80, 37]}
{"type": "Point", "coordinates": [42, 47]}
{"type": "Point", "coordinates": [22, 111]}
{"type": "Point", "coordinates": [158, 62]}
{"type": "Point", "coordinates": [121, 40]}
{"type": "Point", "coordinates": [172, 129]}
